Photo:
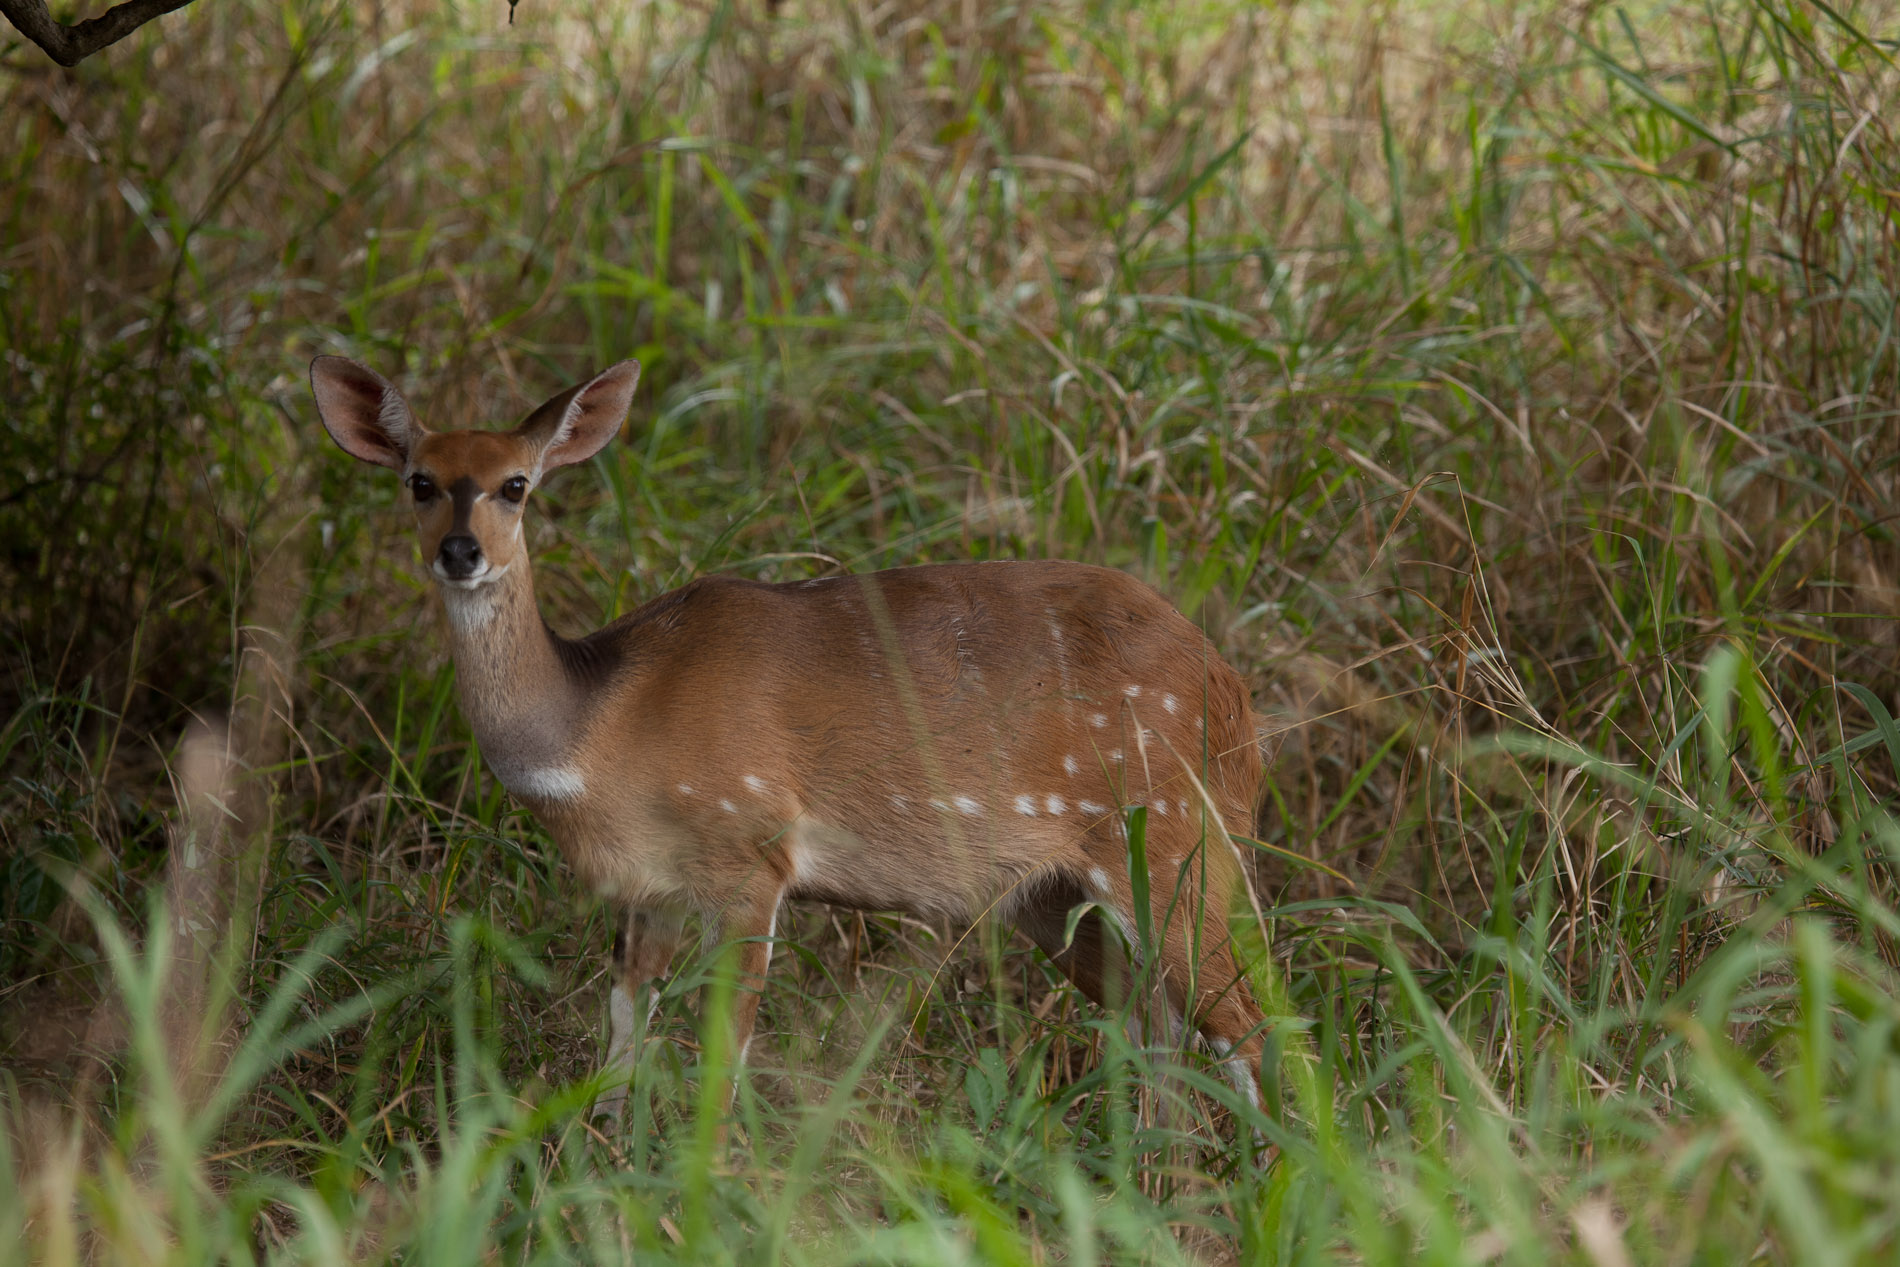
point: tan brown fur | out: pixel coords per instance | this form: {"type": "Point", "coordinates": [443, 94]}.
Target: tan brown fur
{"type": "Point", "coordinates": [952, 740]}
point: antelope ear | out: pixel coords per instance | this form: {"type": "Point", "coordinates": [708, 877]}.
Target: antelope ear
{"type": "Point", "coordinates": [578, 423]}
{"type": "Point", "coordinates": [363, 412]}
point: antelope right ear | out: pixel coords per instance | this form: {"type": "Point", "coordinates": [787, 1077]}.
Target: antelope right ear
{"type": "Point", "coordinates": [578, 423]}
{"type": "Point", "coordinates": [363, 412]}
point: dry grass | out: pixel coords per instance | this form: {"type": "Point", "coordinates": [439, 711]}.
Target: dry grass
{"type": "Point", "coordinates": [1510, 390]}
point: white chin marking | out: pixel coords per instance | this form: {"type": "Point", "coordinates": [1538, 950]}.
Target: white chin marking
{"type": "Point", "coordinates": [471, 602]}
{"type": "Point", "coordinates": [552, 783]}
{"type": "Point", "coordinates": [468, 584]}
{"type": "Point", "coordinates": [469, 612]}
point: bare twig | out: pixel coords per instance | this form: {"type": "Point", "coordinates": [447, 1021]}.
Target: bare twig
{"type": "Point", "coordinates": [70, 45]}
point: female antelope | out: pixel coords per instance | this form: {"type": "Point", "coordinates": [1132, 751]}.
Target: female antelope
{"type": "Point", "coordinates": [948, 740]}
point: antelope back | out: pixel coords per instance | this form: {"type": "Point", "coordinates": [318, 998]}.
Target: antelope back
{"type": "Point", "coordinates": [942, 738]}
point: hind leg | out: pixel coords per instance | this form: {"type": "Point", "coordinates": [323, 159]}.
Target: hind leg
{"type": "Point", "coordinates": [1198, 969]}
{"type": "Point", "coordinates": [1101, 955]}
{"type": "Point", "coordinates": [1203, 977]}
{"type": "Point", "coordinates": [1097, 959]}
{"type": "Point", "coordinates": [1203, 974]}
{"type": "Point", "coordinates": [1231, 1021]}
{"type": "Point", "coordinates": [1094, 958]}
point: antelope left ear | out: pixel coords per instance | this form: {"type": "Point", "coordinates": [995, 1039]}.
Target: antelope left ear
{"type": "Point", "coordinates": [578, 423]}
{"type": "Point", "coordinates": [363, 412]}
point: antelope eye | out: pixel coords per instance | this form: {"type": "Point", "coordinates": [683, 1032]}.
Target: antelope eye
{"type": "Point", "coordinates": [515, 489]}
{"type": "Point", "coordinates": [422, 486]}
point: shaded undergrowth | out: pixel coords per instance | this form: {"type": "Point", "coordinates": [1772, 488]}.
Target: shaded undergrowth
{"type": "Point", "coordinates": [1508, 391]}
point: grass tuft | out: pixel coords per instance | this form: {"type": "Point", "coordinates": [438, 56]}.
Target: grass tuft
{"type": "Point", "coordinates": [1510, 392]}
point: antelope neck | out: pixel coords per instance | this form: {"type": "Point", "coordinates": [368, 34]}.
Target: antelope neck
{"type": "Point", "coordinates": [525, 704]}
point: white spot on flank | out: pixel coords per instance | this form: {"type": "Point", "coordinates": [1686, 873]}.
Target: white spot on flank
{"type": "Point", "coordinates": [1098, 720]}
{"type": "Point", "coordinates": [555, 783]}
{"type": "Point", "coordinates": [728, 806]}
{"type": "Point", "coordinates": [1170, 703]}
{"type": "Point", "coordinates": [1069, 764]}
{"type": "Point", "coordinates": [1184, 807]}
{"type": "Point", "coordinates": [1090, 807]}
{"type": "Point", "coordinates": [1026, 806]}
{"type": "Point", "coordinates": [1099, 878]}
{"type": "Point", "coordinates": [1161, 808]}
{"type": "Point", "coordinates": [939, 806]}
{"type": "Point", "coordinates": [1131, 690]}
{"type": "Point", "coordinates": [686, 789]}
{"type": "Point", "coordinates": [969, 805]}
{"type": "Point", "coordinates": [1114, 754]}
{"type": "Point", "coordinates": [899, 804]}
{"type": "Point", "coordinates": [1055, 804]}
{"type": "Point", "coordinates": [754, 782]}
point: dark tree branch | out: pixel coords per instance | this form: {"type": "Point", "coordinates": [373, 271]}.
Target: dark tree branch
{"type": "Point", "coordinates": [69, 45]}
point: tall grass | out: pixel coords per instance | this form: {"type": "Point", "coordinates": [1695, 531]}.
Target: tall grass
{"type": "Point", "coordinates": [1509, 390]}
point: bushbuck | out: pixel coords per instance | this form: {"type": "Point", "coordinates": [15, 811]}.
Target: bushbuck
{"type": "Point", "coordinates": [949, 740]}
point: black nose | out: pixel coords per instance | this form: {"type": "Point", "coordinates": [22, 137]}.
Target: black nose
{"type": "Point", "coordinates": [460, 555]}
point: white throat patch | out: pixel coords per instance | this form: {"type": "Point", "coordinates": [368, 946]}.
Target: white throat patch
{"type": "Point", "coordinates": [547, 783]}
{"type": "Point", "coordinates": [471, 606]}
